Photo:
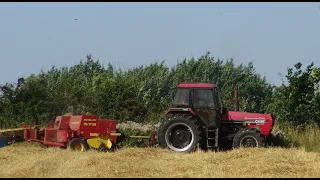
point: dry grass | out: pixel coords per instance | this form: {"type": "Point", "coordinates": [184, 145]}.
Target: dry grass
{"type": "Point", "coordinates": [31, 161]}
{"type": "Point", "coordinates": [306, 136]}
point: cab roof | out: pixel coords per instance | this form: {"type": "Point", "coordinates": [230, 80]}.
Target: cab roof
{"type": "Point", "coordinates": [195, 85]}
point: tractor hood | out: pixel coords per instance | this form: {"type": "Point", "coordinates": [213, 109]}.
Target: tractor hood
{"type": "Point", "coordinates": [245, 116]}
{"type": "Point", "coordinates": [264, 122]}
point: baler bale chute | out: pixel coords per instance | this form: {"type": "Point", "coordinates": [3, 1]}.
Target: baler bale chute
{"type": "Point", "coordinates": [10, 136]}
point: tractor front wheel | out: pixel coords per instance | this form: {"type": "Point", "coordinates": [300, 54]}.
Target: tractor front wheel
{"type": "Point", "coordinates": [78, 144]}
{"type": "Point", "coordinates": [248, 137]}
{"type": "Point", "coordinates": [179, 134]}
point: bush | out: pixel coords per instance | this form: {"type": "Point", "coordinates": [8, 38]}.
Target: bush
{"type": "Point", "coordinates": [304, 136]}
{"type": "Point", "coordinates": [136, 129]}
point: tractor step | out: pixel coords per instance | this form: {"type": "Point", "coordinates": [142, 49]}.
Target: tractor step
{"type": "Point", "coordinates": [212, 137]}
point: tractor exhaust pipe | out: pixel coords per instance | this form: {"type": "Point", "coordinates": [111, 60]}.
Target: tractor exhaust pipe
{"type": "Point", "coordinates": [237, 98]}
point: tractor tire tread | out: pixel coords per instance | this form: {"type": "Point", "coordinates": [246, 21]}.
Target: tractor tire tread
{"type": "Point", "coordinates": [179, 117]}
{"type": "Point", "coordinates": [249, 131]}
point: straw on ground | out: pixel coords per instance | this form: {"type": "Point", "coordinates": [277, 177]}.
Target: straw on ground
{"type": "Point", "coordinates": [31, 161]}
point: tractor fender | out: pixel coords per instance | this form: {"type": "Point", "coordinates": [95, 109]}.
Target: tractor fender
{"type": "Point", "coordinates": [179, 110]}
{"type": "Point", "coordinates": [264, 128]}
{"type": "Point", "coordinates": [172, 113]}
{"type": "Point", "coordinates": [256, 127]}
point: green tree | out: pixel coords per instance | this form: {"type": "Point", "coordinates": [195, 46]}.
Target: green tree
{"type": "Point", "coordinates": [139, 94]}
{"type": "Point", "coordinates": [298, 101]}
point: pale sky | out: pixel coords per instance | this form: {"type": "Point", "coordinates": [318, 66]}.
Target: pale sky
{"type": "Point", "coordinates": [272, 35]}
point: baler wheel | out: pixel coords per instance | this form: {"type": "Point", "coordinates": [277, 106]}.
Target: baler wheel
{"type": "Point", "coordinates": [78, 144]}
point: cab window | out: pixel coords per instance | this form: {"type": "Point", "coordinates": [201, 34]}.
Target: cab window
{"type": "Point", "coordinates": [203, 98]}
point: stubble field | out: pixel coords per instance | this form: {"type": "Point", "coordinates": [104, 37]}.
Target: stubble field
{"type": "Point", "coordinates": [27, 160]}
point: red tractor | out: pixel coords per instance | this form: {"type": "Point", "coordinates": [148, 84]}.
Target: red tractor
{"type": "Point", "coordinates": [198, 119]}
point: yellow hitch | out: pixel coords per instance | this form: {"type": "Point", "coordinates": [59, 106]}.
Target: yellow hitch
{"type": "Point", "coordinates": [115, 134]}
{"type": "Point", "coordinates": [140, 137]}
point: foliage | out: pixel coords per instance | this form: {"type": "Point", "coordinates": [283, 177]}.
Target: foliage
{"type": "Point", "coordinates": [140, 94]}
{"type": "Point", "coordinates": [298, 102]}
{"type": "Point", "coordinates": [304, 136]}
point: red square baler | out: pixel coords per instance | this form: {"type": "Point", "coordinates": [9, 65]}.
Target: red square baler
{"type": "Point", "coordinates": [80, 132]}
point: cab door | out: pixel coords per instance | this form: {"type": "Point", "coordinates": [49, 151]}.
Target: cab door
{"type": "Point", "coordinates": [205, 107]}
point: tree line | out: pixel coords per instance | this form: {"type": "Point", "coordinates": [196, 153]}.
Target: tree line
{"type": "Point", "coordinates": [141, 94]}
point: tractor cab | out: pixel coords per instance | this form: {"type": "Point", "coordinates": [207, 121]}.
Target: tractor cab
{"type": "Point", "coordinates": [203, 99]}
{"type": "Point", "coordinates": [197, 95]}
{"type": "Point", "coordinates": [195, 118]}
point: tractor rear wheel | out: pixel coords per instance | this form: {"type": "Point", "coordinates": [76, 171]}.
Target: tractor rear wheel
{"type": "Point", "coordinates": [78, 144]}
{"type": "Point", "coordinates": [179, 133]}
{"type": "Point", "coordinates": [248, 137]}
